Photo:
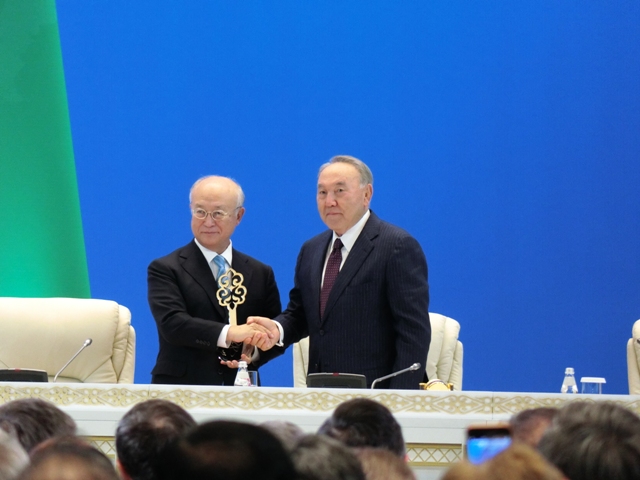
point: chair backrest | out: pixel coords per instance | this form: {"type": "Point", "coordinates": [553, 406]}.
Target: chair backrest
{"type": "Point", "coordinates": [443, 362]}
{"type": "Point", "coordinates": [44, 333]}
{"type": "Point", "coordinates": [633, 359]}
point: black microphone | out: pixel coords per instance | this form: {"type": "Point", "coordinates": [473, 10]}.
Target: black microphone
{"type": "Point", "coordinates": [412, 368]}
{"type": "Point", "coordinates": [86, 343]}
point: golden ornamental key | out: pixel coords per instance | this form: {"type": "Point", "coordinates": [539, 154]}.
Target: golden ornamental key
{"type": "Point", "coordinates": [231, 293]}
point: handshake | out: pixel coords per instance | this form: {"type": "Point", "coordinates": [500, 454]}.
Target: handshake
{"type": "Point", "coordinates": [260, 332]}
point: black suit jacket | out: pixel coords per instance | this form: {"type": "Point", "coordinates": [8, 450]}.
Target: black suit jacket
{"type": "Point", "coordinates": [376, 320]}
{"type": "Point", "coordinates": [182, 297]}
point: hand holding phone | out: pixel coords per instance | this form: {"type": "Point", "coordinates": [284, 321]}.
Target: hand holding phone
{"type": "Point", "coordinates": [485, 441]}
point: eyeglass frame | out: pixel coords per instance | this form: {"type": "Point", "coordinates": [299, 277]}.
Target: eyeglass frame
{"type": "Point", "coordinates": [221, 214]}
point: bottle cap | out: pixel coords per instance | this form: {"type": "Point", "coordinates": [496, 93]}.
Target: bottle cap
{"type": "Point", "coordinates": [569, 371]}
{"type": "Point", "coordinates": [592, 380]}
{"type": "Point", "coordinates": [242, 363]}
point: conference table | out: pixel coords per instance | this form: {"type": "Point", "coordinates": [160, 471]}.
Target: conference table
{"type": "Point", "coordinates": [433, 422]}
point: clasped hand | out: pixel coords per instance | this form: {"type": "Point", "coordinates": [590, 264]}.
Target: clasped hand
{"type": "Point", "coordinates": [258, 332]}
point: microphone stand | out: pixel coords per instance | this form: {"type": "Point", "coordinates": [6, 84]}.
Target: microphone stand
{"type": "Point", "coordinates": [412, 368]}
{"type": "Point", "coordinates": [87, 342]}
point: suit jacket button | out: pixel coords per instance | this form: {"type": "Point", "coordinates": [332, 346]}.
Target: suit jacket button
{"type": "Point", "coordinates": [321, 332]}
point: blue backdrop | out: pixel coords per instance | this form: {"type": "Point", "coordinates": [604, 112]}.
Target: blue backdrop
{"type": "Point", "coordinates": [503, 135]}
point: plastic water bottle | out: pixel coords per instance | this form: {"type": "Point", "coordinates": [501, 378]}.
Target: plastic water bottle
{"type": "Point", "coordinates": [242, 377]}
{"type": "Point", "coordinates": [569, 383]}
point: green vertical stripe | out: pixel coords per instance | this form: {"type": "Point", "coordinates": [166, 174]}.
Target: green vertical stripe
{"type": "Point", "coordinates": [41, 242]}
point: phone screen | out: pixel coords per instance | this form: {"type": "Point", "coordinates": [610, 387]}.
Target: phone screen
{"type": "Point", "coordinates": [484, 443]}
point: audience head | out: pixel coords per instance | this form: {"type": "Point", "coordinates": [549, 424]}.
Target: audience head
{"type": "Point", "coordinates": [518, 462]}
{"type": "Point", "coordinates": [361, 422]}
{"type": "Point", "coordinates": [381, 464]}
{"type": "Point", "coordinates": [521, 462]}
{"type": "Point", "coordinates": [590, 441]}
{"type": "Point", "coordinates": [33, 421]}
{"type": "Point", "coordinates": [287, 432]}
{"type": "Point", "coordinates": [144, 432]}
{"type": "Point", "coordinates": [68, 458]}
{"type": "Point", "coordinates": [318, 457]}
{"type": "Point", "coordinates": [13, 458]}
{"type": "Point", "coordinates": [529, 425]}
{"type": "Point", "coordinates": [226, 450]}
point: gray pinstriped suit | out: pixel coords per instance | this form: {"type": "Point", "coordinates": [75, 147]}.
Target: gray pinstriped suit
{"type": "Point", "coordinates": [376, 319]}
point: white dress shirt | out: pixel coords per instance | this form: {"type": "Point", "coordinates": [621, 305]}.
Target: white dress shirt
{"type": "Point", "coordinates": [210, 255]}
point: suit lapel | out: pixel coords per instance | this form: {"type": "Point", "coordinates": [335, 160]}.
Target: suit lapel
{"type": "Point", "coordinates": [358, 254]}
{"type": "Point", "coordinates": [240, 265]}
{"type": "Point", "coordinates": [196, 265]}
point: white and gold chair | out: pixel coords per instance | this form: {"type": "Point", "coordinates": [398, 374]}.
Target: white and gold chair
{"type": "Point", "coordinates": [443, 362]}
{"type": "Point", "coordinates": [44, 333]}
{"type": "Point", "coordinates": [633, 359]}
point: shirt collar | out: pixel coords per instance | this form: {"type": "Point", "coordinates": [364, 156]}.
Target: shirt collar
{"type": "Point", "coordinates": [210, 254]}
{"type": "Point", "coordinates": [350, 236]}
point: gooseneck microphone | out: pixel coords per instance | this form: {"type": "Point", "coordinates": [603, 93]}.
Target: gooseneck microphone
{"type": "Point", "coordinates": [86, 343]}
{"type": "Point", "coordinates": [412, 368]}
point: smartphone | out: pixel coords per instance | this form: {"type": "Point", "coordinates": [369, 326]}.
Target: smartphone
{"type": "Point", "coordinates": [485, 441]}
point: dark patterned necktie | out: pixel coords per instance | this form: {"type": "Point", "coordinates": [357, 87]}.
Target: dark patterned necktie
{"type": "Point", "coordinates": [330, 273]}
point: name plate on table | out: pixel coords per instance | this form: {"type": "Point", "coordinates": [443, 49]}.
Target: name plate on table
{"type": "Point", "coordinates": [23, 375]}
{"type": "Point", "coordinates": [336, 380]}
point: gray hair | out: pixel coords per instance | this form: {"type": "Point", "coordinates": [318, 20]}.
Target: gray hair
{"type": "Point", "coordinates": [240, 201]}
{"type": "Point", "coordinates": [366, 177]}
{"type": "Point", "coordinates": [13, 458]}
{"type": "Point", "coordinates": [318, 457]}
{"type": "Point", "coordinates": [590, 441]}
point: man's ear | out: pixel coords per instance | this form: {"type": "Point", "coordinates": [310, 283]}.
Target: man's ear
{"type": "Point", "coordinates": [368, 193]}
{"type": "Point", "coordinates": [240, 214]}
{"type": "Point", "coordinates": [122, 471]}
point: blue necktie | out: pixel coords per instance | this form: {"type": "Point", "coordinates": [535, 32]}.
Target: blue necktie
{"type": "Point", "coordinates": [221, 264]}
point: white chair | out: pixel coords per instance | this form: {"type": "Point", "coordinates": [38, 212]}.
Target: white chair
{"type": "Point", "coordinates": [444, 360]}
{"type": "Point", "coordinates": [633, 359]}
{"type": "Point", "coordinates": [44, 333]}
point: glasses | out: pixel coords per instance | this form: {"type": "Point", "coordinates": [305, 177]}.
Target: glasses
{"type": "Point", "coordinates": [201, 213]}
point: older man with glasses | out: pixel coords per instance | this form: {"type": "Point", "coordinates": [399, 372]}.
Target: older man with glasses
{"type": "Point", "coordinates": [189, 293]}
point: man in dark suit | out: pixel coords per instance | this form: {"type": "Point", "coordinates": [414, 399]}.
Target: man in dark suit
{"type": "Point", "coordinates": [365, 303]}
{"type": "Point", "coordinates": [194, 331]}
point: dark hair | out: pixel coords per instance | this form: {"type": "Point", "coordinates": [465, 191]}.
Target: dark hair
{"type": "Point", "coordinates": [318, 457]}
{"type": "Point", "coordinates": [71, 458]}
{"type": "Point", "coordinates": [591, 441]}
{"type": "Point", "coordinates": [33, 421]}
{"type": "Point", "coordinates": [529, 425]}
{"type": "Point", "coordinates": [226, 450]}
{"type": "Point", "coordinates": [361, 422]}
{"type": "Point", "coordinates": [144, 431]}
